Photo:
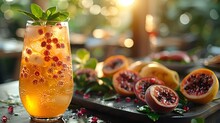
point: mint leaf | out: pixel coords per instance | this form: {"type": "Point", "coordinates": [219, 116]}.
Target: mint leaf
{"type": "Point", "coordinates": [51, 11]}
{"type": "Point", "coordinates": [29, 15]}
{"type": "Point", "coordinates": [36, 10]}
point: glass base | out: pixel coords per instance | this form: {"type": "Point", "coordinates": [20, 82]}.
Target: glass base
{"type": "Point", "coordinates": [43, 120]}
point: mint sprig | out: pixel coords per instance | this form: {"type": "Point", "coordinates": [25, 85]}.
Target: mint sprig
{"type": "Point", "coordinates": [48, 17]}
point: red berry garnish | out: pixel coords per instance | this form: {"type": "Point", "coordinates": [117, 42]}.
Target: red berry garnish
{"type": "Point", "coordinates": [55, 58]}
{"type": "Point", "coordinates": [136, 100]}
{"type": "Point", "coordinates": [48, 35]}
{"type": "Point", "coordinates": [59, 63]}
{"type": "Point", "coordinates": [35, 82]}
{"type": "Point", "coordinates": [47, 58]}
{"type": "Point", "coordinates": [55, 40]}
{"type": "Point", "coordinates": [128, 99]}
{"type": "Point", "coordinates": [55, 76]}
{"type": "Point", "coordinates": [118, 99]}
{"type": "Point", "coordinates": [28, 51]}
{"type": "Point", "coordinates": [4, 119]}
{"type": "Point", "coordinates": [185, 108]}
{"type": "Point", "coordinates": [49, 40]}
{"type": "Point", "coordinates": [43, 44]}
{"type": "Point", "coordinates": [62, 45]}
{"type": "Point", "coordinates": [58, 45]}
{"type": "Point", "coordinates": [48, 47]}
{"type": "Point", "coordinates": [59, 25]}
{"type": "Point", "coordinates": [40, 31]}
{"type": "Point", "coordinates": [86, 96]}
{"type": "Point", "coordinates": [83, 110]}
{"type": "Point", "coordinates": [68, 58]}
{"type": "Point", "coordinates": [46, 52]}
{"type": "Point", "coordinates": [10, 109]}
{"type": "Point", "coordinates": [37, 73]}
{"type": "Point", "coordinates": [94, 119]}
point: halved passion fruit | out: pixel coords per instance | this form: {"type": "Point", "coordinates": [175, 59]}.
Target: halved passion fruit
{"type": "Point", "coordinates": [123, 82]}
{"type": "Point", "coordinates": [161, 99]}
{"type": "Point", "coordinates": [143, 84]}
{"type": "Point", "coordinates": [200, 86]}
{"type": "Point", "coordinates": [114, 64]}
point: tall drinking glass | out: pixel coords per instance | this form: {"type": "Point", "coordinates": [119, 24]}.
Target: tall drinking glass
{"type": "Point", "coordinates": [45, 82]}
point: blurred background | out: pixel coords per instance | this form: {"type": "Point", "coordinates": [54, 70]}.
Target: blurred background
{"type": "Point", "coordinates": [134, 28]}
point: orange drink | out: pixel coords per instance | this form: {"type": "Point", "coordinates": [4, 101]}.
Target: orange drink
{"type": "Point", "coordinates": [45, 83]}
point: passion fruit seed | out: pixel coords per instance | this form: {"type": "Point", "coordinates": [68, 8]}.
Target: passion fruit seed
{"type": "Point", "coordinates": [46, 52]}
{"type": "Point", "coordinates": [47, 58]}
{"type": "Point", "coordinates": [198, 84]}
{"type": "Point", "coordinates": [48, 35]}
{"type": "Point", "coordinates": [48, 40]}
{"type": "Point", "coordinates": [126, 79]}
{"type": "Point", "coordinates": [37, 73]}
{"type": "Point", "coordinates": [48, 47]}
{"type": "Point", "coordinates": [55, 40]}
{"type": "Point", "coordinates": [165, 96]}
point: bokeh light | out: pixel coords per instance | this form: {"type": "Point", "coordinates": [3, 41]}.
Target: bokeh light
{"type": "Point", "coordinates": [125, 3]}
{"type": "Point", "coordinates": [214, 14]}
{"type": "Point", "coordinates": [184, 18]}
{"type": "Point", "coordinates": [128, 43]}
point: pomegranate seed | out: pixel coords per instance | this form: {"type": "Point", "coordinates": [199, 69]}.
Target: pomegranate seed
{"type": "Point", "coordinates": [4, 119]}
{"type": "Point", "coordinates": [49, 40]}
{"type": "Point", "coordinates": [55, 76]}
{"type": "Point", "coordinates": [152, 80]}
{"type": "Point", "coordinates": [55, 40]}
{"type": "Point", "coordinates": [59, 63]}
{"type": "Point", "coordinates": [58, 45]}
{"type": "Point", "coordinates": [60, 83]}
{"type": "Point", "coordinates": [40, 31]}
{"type": "Point", "coordinates": [43, 44]}
{"type": "Point", "coordinates": [48, 35]}
{"type": "Point", "coordinates": [128, 99]}
{"type": "Point", "coordinates": [28, 51]}
{"type": "Point", "coordinates": [185, 108]}
{"type": "Point", "coordinates": [25, 75]}
{"type": "Point", "coordinates": [59, 72]}
{"type": "Point", "coordinates": [94, 119]}
{"type": "Point", "coordinates": [86, 96]}
{"type": "Point", "coordinates": [35, 82]}
{"type": "Point", "coordinates": [10, 109]}
{"type": "Point", "coordinates": [62, 45]}
{"type": "Point", "coordinates": [50, 70]}
{"type": "Point", "coordinates": [37, 73]}
{"type": "Point", "coordinates": [83, 110]}
{"type": "Point", "coordinates": [46, 52]}
{"type": "Point", "coordinates": [48, 47]}
{"type": "Point", "coordinates": [64, 66]}
{"type": "Point", "coordinates": [55, 58]}
{"type": "Point", "coordinates": [79, 113]}
{"type": "Point", "coordinates": [136, 100]}
{"type": "Point", "coordinates": [47, 58]}
{"type": "Point", "coordinates": [22, 75]}
{"type": "Point", "coordinates": [118, 99]}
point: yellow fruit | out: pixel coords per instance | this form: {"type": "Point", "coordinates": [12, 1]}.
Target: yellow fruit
{"type": "Point", "coordinates": [169, 77]}
{"type": "Point", "coordinates": [200, 86]}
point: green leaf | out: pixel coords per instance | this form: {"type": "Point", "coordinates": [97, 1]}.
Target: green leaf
{"type": "Point", "coordinates": [36, 10]}
{"type": "Point", "coordinates": [96, 88]}
{"type": "Point", "coordinates": [91, 63]}
{"type": "Point", "coordinates": [110, 96]}
{"type": "Point", "coordinates": [51, 11]}
{"type": "Point", "coordinates": [198, 120]}
{"type": "Point", "coordinates": [83, 55]}
{"type": "Point", "coordinates": [152, 115]}
{"type": "Point", "coordinates": [29, 15]}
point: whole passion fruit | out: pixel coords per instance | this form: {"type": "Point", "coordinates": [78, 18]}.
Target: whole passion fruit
{"type": "Point", "coordinates": [142, 85]}
{"type": "Point", "coordinates": [114, 64]}
{"type": "Point", "coordinates": [123, 82]}
{"type": "Point", "coordinates": [161, 99]}
{"type": "Point", "coordinates": [200, 86]}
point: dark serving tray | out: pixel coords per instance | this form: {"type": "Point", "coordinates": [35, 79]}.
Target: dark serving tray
{"type": "Point", "coordinates": [128, 109]}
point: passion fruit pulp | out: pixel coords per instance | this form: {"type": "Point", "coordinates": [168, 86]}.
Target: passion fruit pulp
{"type": "Point", "coordinates": [200, 86]}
